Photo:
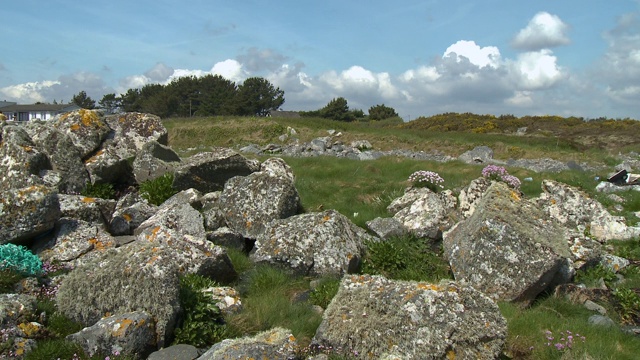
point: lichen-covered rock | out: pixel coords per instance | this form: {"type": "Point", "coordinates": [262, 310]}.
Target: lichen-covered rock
{"type": "Point", "coordinates": [479, 155]}
{"type": "Point", "coordinates": [250, 202]}
{"type": "Point", "coordinates": [386, 228]}
{"type": "Point", "coordinates": [106, 166]}
{"type": "Point", "coordinates": [154, 160]}
{"type": "Point", "coordinates": [325, 243]}
{"type": "Point", "coordinates": [176, 352]}
{"type": "Point", "coordinates": [277, 167]}
{"type": "Point", "coordinates": [132, 334]}
{"type": "Point", "coordinates": [27, 212]}
{"type": "Point", "coordinates": [189, 196]}
{"type": "Point", "coordinates": [133, 130]}
{"type": "Point", "coordinates": [573, 208]}
{"type": "Point", "coordinates": [21, 162]}
{"type": "Point", "coordinates": [274, 344]}
{"type": "Point", "coordinates": [470, 195]}
{"type": "Point", "coordinates": [425, 213]}
{"type": "Point", "coordinates": [89, 209]}
{"type": "Point", "coordinates": [227, 299]}
{"type": "Point", "coordinates": [178, 237]}
{"type": "Point", "coordinates": [228, 238]}
{"type": "Point", "coordinates": [15, 310]}
{"type": "Point", "coordinates": [86, 128]}
{"type": "Point", "coordinates": [208, 172]}
{"type": "Point", "coordinates": [380, 318]}
{"type": "Point", "coordinates": [130, 212]}
{"type": "Point", "coordinates": [508, 248]}
{"type": "Point", "coordinates": [123, 280]}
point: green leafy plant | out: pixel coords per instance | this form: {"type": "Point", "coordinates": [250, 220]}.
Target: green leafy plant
{"type": "Point", "coordinates": [405, 258]}
{"type": "Point", "coordinates": [628, 302]}
{"type": "Point", "coordinates": [102, 191]}
{"type": "Point", "coordinates": [203, 324]}
{"type": "Point", "coordinates": [8, 278]}
{"type": "Point", "coordinates": [19, 259]}
{"type": "Point", "coordinates": [322, 294]}
{"type": "Point", "coordinates": [592, 275]}
{"type": "Point", "coordinates": [158, 190]}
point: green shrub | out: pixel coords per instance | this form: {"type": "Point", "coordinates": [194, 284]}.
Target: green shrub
{"type": "Point", "coordinates": [628, 304]}
{"type": "Point", "coordinates": [55, 349]}
{"type": "Point", "coordinates": [8, 278]}
{"type": "Point", "coordinates": [405, 258]}
{"type": "Point", "coordinates": [158, 190]}
{"type": "Point", "coordinates": [203, 324]}
{"type": "Point", "coordinates": [102, 191]}
{"type": "Point", "coordinates": [592, 275]}
{"type": "Point", "coordinates": [324, 292]}
{"type": "Point", "coordinates": [20, 260]}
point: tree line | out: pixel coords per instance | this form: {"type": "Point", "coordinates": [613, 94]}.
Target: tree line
{"type": "Point", "coordinates": [213, 95]}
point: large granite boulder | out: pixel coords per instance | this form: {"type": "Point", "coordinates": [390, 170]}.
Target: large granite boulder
{"type": "Point", "coordinates": [131, 334]}
{"type": "Point", "coordinates": [154, 160]}
{"type": "Point", "coordinates": [250, 202]}
{"type": "Point", "coordinates": [86, 128]}
{"type": "Point", "coordinates": [325, 243]}
{"type": "Point", "coordinates": [21, 162]}
{"type": "Point", "coordinates": [89, 209]}
{"type": "Point", "coordinates": [470, 195]}
{"type": "Point", "coordinates": [573, 208]}
{"type": "Point", "coordinates": [130, 212]}
{"type": "Point", "coordinates": [274, 344]}
{"type": "Point", "coordinates": [508, 248]}
{"type": "Point", "coordinates": [425, 213]}
{"type": "Point", "coordinates": [27, 212]}
{"type": "Point", "coordinates": [380, 318]}
{"type": "Point", "coordinates": [133, 130]}
{"type": "Point", "coordinates": [208, 172]}
{"type": "Point", "coordinates": [479, 155]}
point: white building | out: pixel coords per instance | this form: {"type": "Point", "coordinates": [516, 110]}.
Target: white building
{"type": "Point", "coordinates": [30, 112]}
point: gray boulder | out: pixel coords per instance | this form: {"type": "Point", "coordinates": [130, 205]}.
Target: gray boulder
{"type": "Point", "coordinates": [325, 243]}
{"type": "Point", "coordinates": [227, 238]}
{"type": "Point", "coordinates": [274, 344]}
{"type": "Point", "coordinates": [508, 248]}
{"type": "Point", "coordinates": [470, 195]}
{"type": "Point", "coordinates": [425, 213]}
{"type": "Point", "coordinates": [107, 166]}
{"type": "Point", "coordinates": [21, 162]}
{"type": "Point", "coordinates": [380, 318]}
{"type": "Point", "coordinates": [154, 160]}
{"type": "Point", "coordinates": [386, 228]}
{"type": "Point", "coordinates": [250, 202]}
{"type": "Point", "coordinates": [479, 155]}
{"type": "Point", "coordinates": [89, 209]}
{"type": "Point", "coordinates": [573, 208]}
{"type": "Point", "coordinates": [86, 129]}
{"type": "Point", "coordinates": [132, 334]}
{"type": "Point", "coordinates": [27, 212]}
{"type": "Point", "coordinates": [176, 352]}
{"type": "Point", "coordinates": [130, 212]}
{"type": "Point", "coordinates": [133, 130]}
{"type": "Point", "coordinates": [208, 172]}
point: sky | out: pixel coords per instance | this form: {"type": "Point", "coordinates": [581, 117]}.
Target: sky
{"type": "Point", "coordinates": [422, 57]}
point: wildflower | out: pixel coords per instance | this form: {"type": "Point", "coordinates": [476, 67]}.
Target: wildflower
{"type": "Point", "coordinates": [428, 179]}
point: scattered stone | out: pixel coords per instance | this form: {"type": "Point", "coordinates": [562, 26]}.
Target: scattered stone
{"type": "Point", "coordinates": [176, 352]}
{"type": "Point", "coordinates": [601, 320]}
{"type": "Point", "coordinates": [274, 344]}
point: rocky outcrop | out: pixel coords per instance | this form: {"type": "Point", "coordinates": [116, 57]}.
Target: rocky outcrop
{"type": "Point", "coordinates": [154, 160]}
{"type": "Point", "coordinates": [380, 318]}
{"type": "Point", "coordinates": [275, 344]}
{"type": "Point", "coordinates": [425, 213]}
{"type": "Point", "coordinates": [27, 212]}
{"type": "Point", "coordinates": [507, 248]}
{"type": "Point", "coordinates": [325, 243]}
{"type": "Point", "coordinates": [574, 209]}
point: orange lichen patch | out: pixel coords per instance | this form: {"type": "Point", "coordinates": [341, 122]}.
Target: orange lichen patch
{"type": "Point", "coordinates": [208, 253]}
{"type": "Point", "coordinates": [121, 327]}
{"type": "Point", "coordinates": [95, 156]}
{"type": "Point", "coordinates": [515, 196]}
{"type": "Point", "coordinates": [292, 338]}
{"type": "Point", "coordinates": [451, 355]}
{"type": "Point", "coordinates": [248, 224]}
{"type": "Point", "coordinates": [88, 200]}
{"type": "Point", "coordinates": [30, 330]}
{"type": "Point", "coordinates": [553, 201]}
{"type": "Point", "coordinates": [122, 119]}
{"type": "Point", "coordinates": [88, 117]}
{"type": "Point", "coordinates": [127, 217]}
{"type": "Point", "coordinates": [74, 127]}
{"type": "Point", "coordinates": [155, 249]}
{"type": "Point", "coordinates": [326, 218]}
{"type": "Point", "coordinates": [27, 148]}
{"type": "Point", "coordinates": [152, 260]}
{"type": "Point", "coordinates": [425, 286]}
{"type": "Point", "coordinates": [99, 245]}
{"type": "Point", "coordinates": [154, 233]}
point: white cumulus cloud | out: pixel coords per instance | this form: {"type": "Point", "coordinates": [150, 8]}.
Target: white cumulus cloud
{"type": "Point", "coordinates": [543, 31]}
{"type": "Point", "coordinates": [28, 92]}
{"type": "Point", "coordinates": [479, 56]}
{"type": "Point", "coordinates": [230, 69]}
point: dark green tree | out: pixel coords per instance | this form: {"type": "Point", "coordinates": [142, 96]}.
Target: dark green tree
{"type": "Point", "coordinates": [337, 109]}
{"type": "Point", "coordinates": [381, 112]}
{"type": "Point", "coordinates": [81, 99]}
{"type": "Point", "coordinates": [217, 96]}
{"type": "Point", "coordinates": [258, 97]}
{"type": "Point", "coordinates": [131, 100]}
{"type": "Point", "coordinates": [109, 102]}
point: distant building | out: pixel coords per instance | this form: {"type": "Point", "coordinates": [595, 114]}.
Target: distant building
{"type": "Point", "coordinates": [30, 112]}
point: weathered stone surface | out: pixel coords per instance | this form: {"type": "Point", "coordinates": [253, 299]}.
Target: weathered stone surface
{"type": "Point", "coordinates": [274, 344]}
{"type": "Point", "coordinates": [508, 248]}
{"type": "Point", "coordinates": [380, 318]}
{"type": "Point", "coordinates": [154, 160]}
{"type": "Point", "coordinates": [188, 196]}
{"type": "Point", "coordinates": [179, 239]}
{"type": "Point", "coordinates": [471, 194]}
{"type": "Point", "coordinates": [130, 212]}
{"type": "Point", "coordinates": [228, 238]}
{"type": "Point", "coordinates": [176, 352]}
{"type": "Point", "coordinates": [73, 239]}
{"type": "Point", "coordinates": [106, 166]}
{"type": "Point", "coordinates": [131, 334]}
{"type": "Point", "coordinates": [131, 278]}
{"type": "Point", "coordinates": [323, 243]}
{"type": "Point", "coordinates": [209, 171]}
{"type": "Point", "coordinates": [20, 160]}
{"type": "Point", "coordinates": [27, 212]}
{"type": "Point", "coordinates": [386, 228]}
{"type": "Point", "coordinates": [133, 130]}
{"type": "Point", "coordinates": [423, 212]}
{"type": "Point", "coordinates": [14, 309]}
{"type": "Point", "coordinates": [89, 209]}
{"type": "Point", "coordinates": [250, 202]}
{"type": "Point", "coordinates": [277, 167]}
{"type": "Point", "coordinates": [479, 155]}
{"type": "Point", "coordinates": [86, 128]}
{"type": "Point", "coordinates": [573, 208]}
{"type": "Point", "coordinates": [227, 299]}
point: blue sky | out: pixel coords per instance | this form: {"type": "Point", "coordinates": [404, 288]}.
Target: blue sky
{"type": "Point", "coordinates": [579, 58]}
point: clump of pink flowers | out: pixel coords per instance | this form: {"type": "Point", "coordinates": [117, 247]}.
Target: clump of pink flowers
{"type": "Point", "coordinates": [499, 173]}
{"type": "Point", "coordinates": [429, 179]}
{"type": "Point", "coordinates": [566, 341]}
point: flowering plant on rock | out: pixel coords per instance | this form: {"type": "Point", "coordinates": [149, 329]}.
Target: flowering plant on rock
{"type": "Point", "coordinates": [429, 179]}
{"type": "Point", "coordinates": [499, 173]}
